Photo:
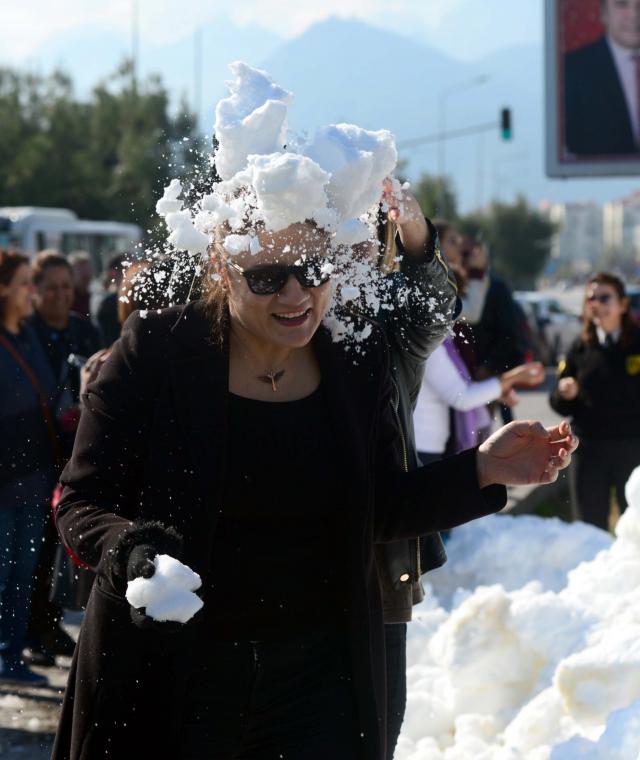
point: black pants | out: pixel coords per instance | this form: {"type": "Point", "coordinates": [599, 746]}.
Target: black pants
{"type": "Point", "coordinates": [290, 699]}
{"type": "Point", "coordinates": [45, 615]}
{"type": "Point", "coordinates": [396, 653]}
{"type": "Point", "coordinates": [597, 467]}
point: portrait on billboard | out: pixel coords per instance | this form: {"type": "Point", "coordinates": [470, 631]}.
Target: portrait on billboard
{"type": "Point", "coordinates": [593, 87]}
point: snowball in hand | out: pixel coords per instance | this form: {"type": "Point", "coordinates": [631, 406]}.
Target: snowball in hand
{"type": "Point", "coordinates": [168, 594]}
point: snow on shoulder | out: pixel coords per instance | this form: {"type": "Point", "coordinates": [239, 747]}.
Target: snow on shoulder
{"type": "Point", "coordinates": [528, 645]}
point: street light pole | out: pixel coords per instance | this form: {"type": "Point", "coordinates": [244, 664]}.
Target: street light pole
{"type": "Point", "coordinates": [135, 35]}
{"type": "Point", "coordinates": [444, 94]}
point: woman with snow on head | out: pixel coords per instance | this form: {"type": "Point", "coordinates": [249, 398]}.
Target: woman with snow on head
{"type": "Point", "coordinates": [269, 463]}
{"type": "Point", "coordinates": [599, 387]}
{"type": "Point", "coordinates": [238, 436]}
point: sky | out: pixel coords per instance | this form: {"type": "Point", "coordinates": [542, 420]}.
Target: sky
{"type": "Point", "coordinates": [465, 29]}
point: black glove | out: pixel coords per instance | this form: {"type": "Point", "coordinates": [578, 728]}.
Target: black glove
{"type": "Point", "coordinates": [140, 562]}
{"type": "Point", "coordinates": [133, 553]}
{"type": "Point", "coordinates": [132, 557]}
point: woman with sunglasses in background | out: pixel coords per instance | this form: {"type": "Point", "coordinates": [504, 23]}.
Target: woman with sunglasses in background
{"type": "Point", "coordinates": [235, 435]}
{"type": "Point", "coordinates": [599, 388]}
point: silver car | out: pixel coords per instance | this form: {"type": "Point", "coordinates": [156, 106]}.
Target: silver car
{"type": "Point", "coordinates": [552, 327]}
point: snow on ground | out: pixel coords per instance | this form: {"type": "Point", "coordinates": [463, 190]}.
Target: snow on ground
{"type": "Point", "coordinates": [528, 644]}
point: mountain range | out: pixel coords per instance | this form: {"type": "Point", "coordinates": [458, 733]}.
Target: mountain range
{"type": "Point", "coordinates": [347, 70]}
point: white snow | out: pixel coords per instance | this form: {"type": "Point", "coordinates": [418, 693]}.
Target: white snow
{"type": "Point", "coordinates": [253, 119]}
{"type": "Point", "coordinates": [334, 179]}
{"type": "Point", "coordinates": [349, 293]}
{"type": "Point", "coordinates": [183, 234]}
{"type": "Point", "coordinates": [168, 594]}
{"type": "Point", "coordinates": [271, 179]}
{"type": "Point", "coordinates": [236, 244]}
{"type": "Point", "coordinates": [358, 160]}
{"type": "Point", "coordinates": [528, 644]}
{"type": "Point", "coordinates": [288, 187]}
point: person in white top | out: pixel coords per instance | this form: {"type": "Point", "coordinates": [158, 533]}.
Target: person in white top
{"type": "Point", "coordinates": [447, 384]}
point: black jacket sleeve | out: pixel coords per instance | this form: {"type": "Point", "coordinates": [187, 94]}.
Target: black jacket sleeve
{"type": "Point", "coordinates": [429, 499]}
{"type": "Point", "coordinates": [97, 506]}
{"type": "Point", "coordinates": [426, 304]}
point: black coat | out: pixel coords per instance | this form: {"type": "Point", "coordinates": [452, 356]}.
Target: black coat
{"type": "Point", "coordinates": [608, 403]}
{"type": "Point", "coordinates": [151, 446]}
{"type": "Point", "coordinates": [500, 336]}
{"type": "Point", "coordinates": [596, 115]}
{"type": "Point", "coordinates": [413, 329]}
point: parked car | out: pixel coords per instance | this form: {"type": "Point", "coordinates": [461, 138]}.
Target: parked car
{"type": "Point", "coordinates": [552, 327]}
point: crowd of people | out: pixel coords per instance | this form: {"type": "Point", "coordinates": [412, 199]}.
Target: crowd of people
{"type": "Point", "coordinates": [253, 503]}
{"type": "Point", "coordinates": [46, 336]}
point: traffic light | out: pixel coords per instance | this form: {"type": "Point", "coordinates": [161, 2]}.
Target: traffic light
{"type": "Point", "coordinates": [505, 123]}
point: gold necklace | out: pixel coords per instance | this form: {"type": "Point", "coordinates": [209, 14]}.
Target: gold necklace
{"type": "Point", "coordinates": [271, 377]}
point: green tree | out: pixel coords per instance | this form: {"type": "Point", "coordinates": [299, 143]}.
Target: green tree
{"type": "Point", "coordinates": [107, 158]}
{"type": "Point", "coordinates": [518, 239]}
{"type": "Point", "coordinates": [436, 196]}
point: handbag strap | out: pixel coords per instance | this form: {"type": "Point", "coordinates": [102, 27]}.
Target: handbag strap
{"type": "Point", "coordinates": [42, 399]}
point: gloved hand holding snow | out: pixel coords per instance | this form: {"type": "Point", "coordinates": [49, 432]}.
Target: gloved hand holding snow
{"type": "Point", "coordinates": [168, 593]}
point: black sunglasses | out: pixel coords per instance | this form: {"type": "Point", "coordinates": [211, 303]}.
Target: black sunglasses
{"type": "Point", "coordinates": [267, 279]}
{"type": "Point", "coordinates": [604, 298]}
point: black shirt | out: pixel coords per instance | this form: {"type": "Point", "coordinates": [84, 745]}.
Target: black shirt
{"type": "Point", "coordinates": [279, 543]}
{"type": "Point", "coordinates": [608, 402]}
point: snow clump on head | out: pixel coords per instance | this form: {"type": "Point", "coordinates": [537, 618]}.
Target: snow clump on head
{"type": "Point", "coordinates": [270, 180]}
{"type": "Point", "coordinates": [334, 180]}
{"type": "Point", "coordinates": [358, 161]}
{"type": "Point", "coordinates": [252, 120]}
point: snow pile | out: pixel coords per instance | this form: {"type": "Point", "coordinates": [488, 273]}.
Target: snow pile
{"type": "Point", "coordinates": [528, 645]}
{"type": "Point", "coordinates": [168, 594]}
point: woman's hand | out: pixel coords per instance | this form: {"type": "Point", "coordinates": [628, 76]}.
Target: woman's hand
{"type": "Point", "coordinates": [568, 388]}
{"type": "Point", "coordinates": [525, 453]}
{"type": "Point", "coordinates": [510, 399]}
{"type": "Point", "coordinates": [528, 375]}
{"type": "Point", "coordinates": [406, 213]}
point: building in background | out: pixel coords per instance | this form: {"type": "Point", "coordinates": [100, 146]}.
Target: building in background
{"type": "Point", "coordinates": [622, 232]}
{"type": "Point", "coordinates": [578, 244]}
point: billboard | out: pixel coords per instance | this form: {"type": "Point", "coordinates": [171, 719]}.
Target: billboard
{"type": "Point", "coordinates": [593, 87]}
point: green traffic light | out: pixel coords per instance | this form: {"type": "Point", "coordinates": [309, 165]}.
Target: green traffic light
{"type": "Point", "coordinates": [505, 123]}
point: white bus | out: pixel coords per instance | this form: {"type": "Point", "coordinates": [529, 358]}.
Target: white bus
{"type": "Point", "coordinates": [30, 229]}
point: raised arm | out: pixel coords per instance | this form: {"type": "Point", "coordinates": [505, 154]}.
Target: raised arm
{"type": "Point", "coordinates": [424, 294]}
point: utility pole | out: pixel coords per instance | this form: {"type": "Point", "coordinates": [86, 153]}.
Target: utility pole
{"type": "Point", "coordinates": [197, 75]}
{"type": "Point", "coordinates": [444, 95]}
{"type": "Point", "coordinates": [135, 40]}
